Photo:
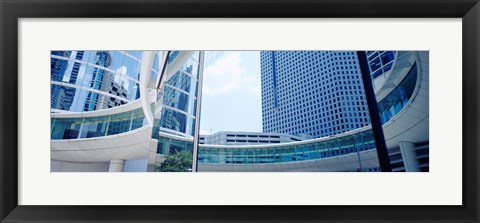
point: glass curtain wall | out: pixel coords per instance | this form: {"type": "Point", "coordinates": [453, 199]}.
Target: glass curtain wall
{"type": "Point", "coordinates": [175, 112]}
{"type": "Point", "coordinates": [401, 90]}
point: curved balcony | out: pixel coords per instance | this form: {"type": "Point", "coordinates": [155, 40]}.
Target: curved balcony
{"type": "Point", "coordinates": [99, 136]}
{"type": "Point", "coordinates": [97, 126]}
{"type": "Point", "coordinates": [354, 150]}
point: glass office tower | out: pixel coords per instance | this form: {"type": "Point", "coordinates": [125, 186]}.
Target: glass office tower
{"type": "Point", "coordinates": [94, 80]}
{"type": "Point", "coordinates": [58, 68]}
{"type": "Point", "coordinates": [318, 93]}
{"type": "Point", "coordinates": [84, 81]}
{"type": "Point", "coordinates": [180, 94]}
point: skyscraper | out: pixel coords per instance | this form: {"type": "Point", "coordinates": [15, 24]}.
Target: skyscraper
{"type": "Point", "coordinates": [58, 68]}
{"type": "Point", "coordinates": [180, 94]}
{"type": "Point", "coordinates": [66, 94]}
{"type": "Point", "coordinates": [93, 80]}
{"type": "Point", "coordinates": [109, 85]}
{"type": "Point", "coordinates": [318, 93]}
{"type": "Point", "coordinates": [102, 58]}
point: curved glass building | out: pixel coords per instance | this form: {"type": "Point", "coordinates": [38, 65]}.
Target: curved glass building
{"type": "Point", "coordinates": [98, 96]}
{"type": "Point", "coordinates": [127, 110]}
{"type": "Point", "coordinates": [83, 81]}
{"type": "Point", "coordinates": [94, 80]}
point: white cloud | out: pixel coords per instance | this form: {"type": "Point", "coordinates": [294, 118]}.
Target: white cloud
{"type": "Point", "coordinates": [122, 70]}
{"type": "Point", "coordinates": [204, 132]}
{"type": "Point", "coordinates": [252, 84]}
{"type": "Point", "coordinates": [227, 75]}
{"type": "Point", "coordinates": [118, 78]}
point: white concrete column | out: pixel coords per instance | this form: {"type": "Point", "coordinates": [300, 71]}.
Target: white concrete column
{"type": "Point", "coordinates": [152, 155]}
{"type": "Point", "coordinates": [117, 166]}
{"type": "Point", "coordinates": [145, 70]}
{"type": "Point", "coordinates": [407, 149]}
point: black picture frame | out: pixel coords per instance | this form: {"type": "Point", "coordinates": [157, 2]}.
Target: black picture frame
{"type": "Point", "coordinates": [11, 11]}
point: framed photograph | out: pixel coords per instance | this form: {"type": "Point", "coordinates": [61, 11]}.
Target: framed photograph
{"type": "Point", "coordinates": [225, 111]}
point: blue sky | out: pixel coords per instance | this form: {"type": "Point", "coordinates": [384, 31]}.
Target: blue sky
{"type": "Point", "coordinates": [231, 99]}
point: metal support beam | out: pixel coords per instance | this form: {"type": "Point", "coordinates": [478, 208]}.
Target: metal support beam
{"type": "Point", "coordinates": [382, 151]}
{"type": "Point", "coordinates": [196, 137]}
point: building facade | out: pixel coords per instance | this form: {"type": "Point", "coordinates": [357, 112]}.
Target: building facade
{"type": "Point", "coordinates": [58, 68]}
{"type": "Point", "coordinates": [97, 100]}
{"type": "Point", "coordinates": [380, 62]}
{"type": "Point", "coordinates": [249, 138]}
{"type": "Point", "coordinates": [318, 93]}
{"type": "Point", "coordinates": [91, 78]}
{"type": "Point", "coordinates": [180, 94]}
{"type": "Point", "coordinates": [83, 81]}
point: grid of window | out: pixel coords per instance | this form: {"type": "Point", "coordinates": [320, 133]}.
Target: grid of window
{"type": "Point", "coordinates": [78, 128]}
{"type": "Point", "coordinates": [179, 98]}
{"type": "Point", "coordinates": [247, 138]}
{"type": "Point", "coordinates": [168, 145]}
{"type": "Point", "coordinates": [94, 80]}
{"type": "Point", "coordinates": [58, 68]}
{"type": "Point", "coordinates": [396, 100]}
{"type": "Point", "coordinates": [318, 93]}
{"type": "Point", "coordinates": [287, 153]}
{"type": "Point", "coordinates": [380, 62]}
